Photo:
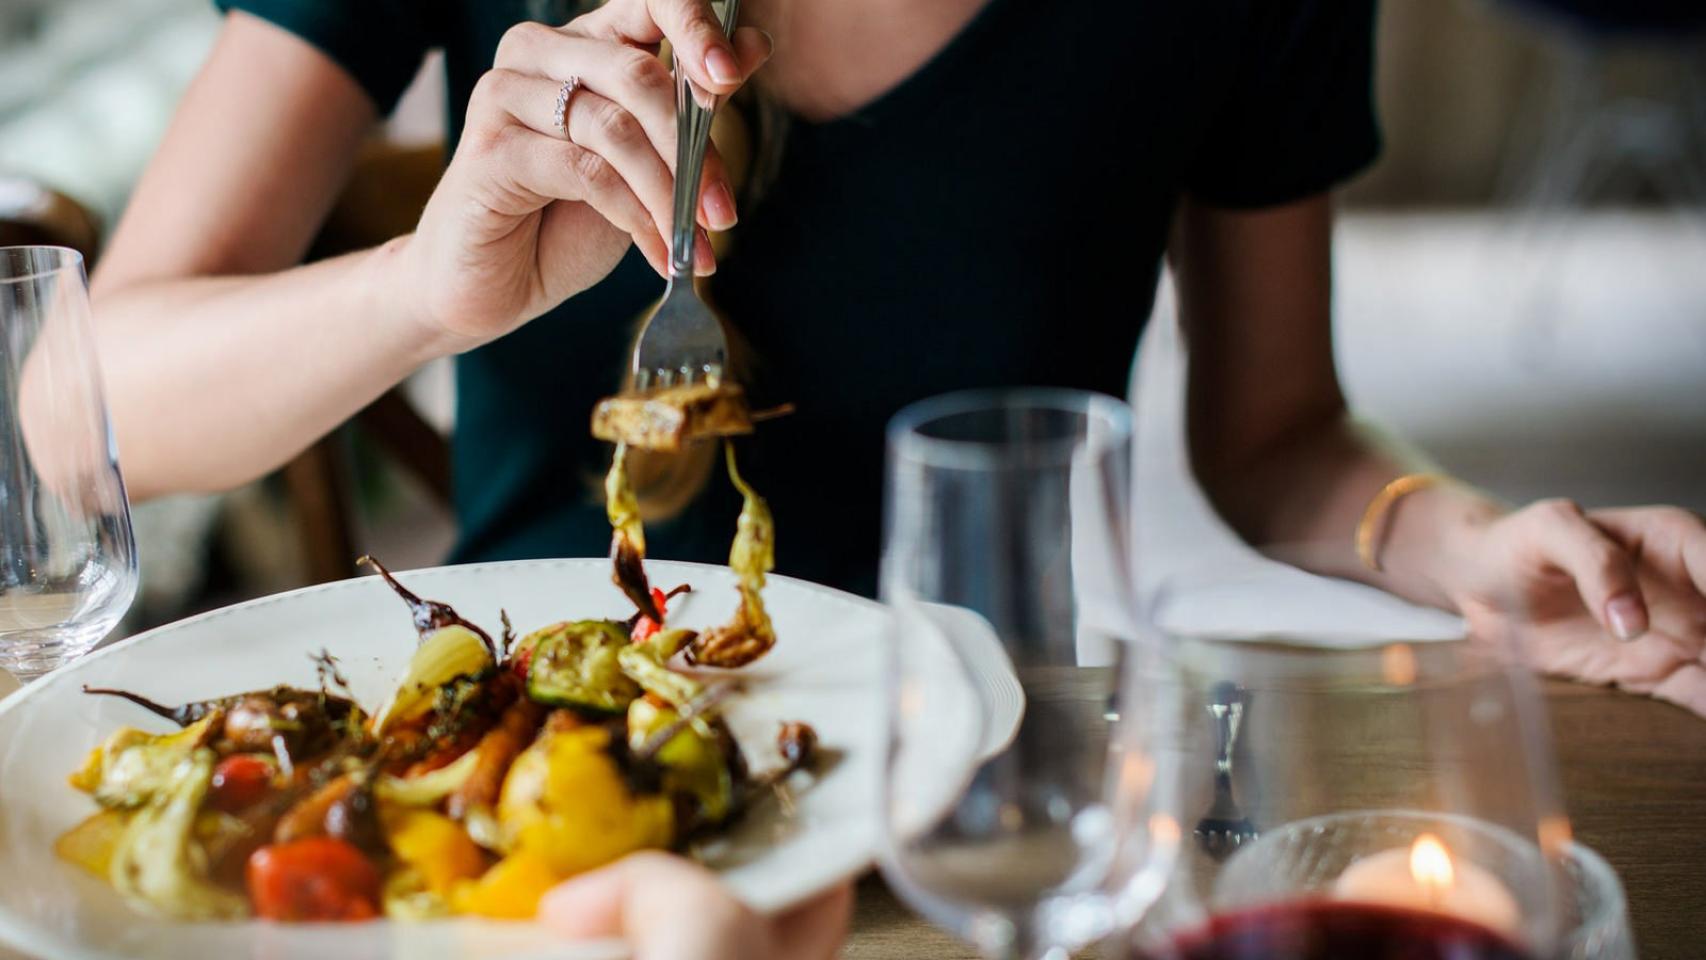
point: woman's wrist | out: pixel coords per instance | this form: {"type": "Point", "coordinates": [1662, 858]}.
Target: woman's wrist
{"type": "Point", "coordinates": [396, 289]}
{"type": "Point", "coordinates": [1432, 539]}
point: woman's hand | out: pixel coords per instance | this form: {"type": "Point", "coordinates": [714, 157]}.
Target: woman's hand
{"type": "Point", "coordinates": [525, 217]}
{"type": "Point", "coordinates": [671, 909]}
{"type": "Point", "coordinates": [1606, 596]}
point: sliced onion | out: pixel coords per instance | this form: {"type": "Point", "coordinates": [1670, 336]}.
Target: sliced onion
{"type": "Point", "coordinates": [428, 788]}
{"type": "Point", "coordinates": [448, 653]}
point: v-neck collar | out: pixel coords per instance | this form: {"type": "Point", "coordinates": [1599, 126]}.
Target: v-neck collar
{"type": "Point", "coordinates": [963, 47]}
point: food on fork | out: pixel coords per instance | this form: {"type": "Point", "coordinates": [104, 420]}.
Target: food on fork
{"type": "Point", "coordinates": [666, 420]}
{"type": "Point", "coordinates": [749, 634]}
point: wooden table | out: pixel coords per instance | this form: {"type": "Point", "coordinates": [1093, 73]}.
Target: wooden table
{"type": "Point", "coordinates": [1634, 777]}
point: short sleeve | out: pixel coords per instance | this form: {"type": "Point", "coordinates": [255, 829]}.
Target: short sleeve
{"type": "Point", "coordinates": [1298, 117]}
{"type": "Point", "coordinates": [378, 42]}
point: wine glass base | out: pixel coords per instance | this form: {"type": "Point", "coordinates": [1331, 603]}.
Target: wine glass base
{"type": "Point", "coordinates": [29, 654]}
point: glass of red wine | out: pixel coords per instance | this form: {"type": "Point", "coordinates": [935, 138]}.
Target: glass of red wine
{"type": "Point", "coordinates": [1350, 796]}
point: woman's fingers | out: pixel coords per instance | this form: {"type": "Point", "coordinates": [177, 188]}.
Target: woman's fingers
{"type": "Point", "coordinates": [1670, 540]}
{"type": "Point", "coordinates": [716, 193]}
{"type": "Point", "coordinates": [1685, 688]}
{"type": "Point", "coordinates": [632, 78]}
{"type": "Point", "coordinates": [690, 26]}
{"type": "Point", "coordinates": [552, 168]}
{"type": "Point", "coordinates": [637, 80]}
{"type": "Point", "coordinates": [1603, 571]}
{"type": "Point", "coordinates": [815, 929]}
{"type": "Point", "coordinates": [621, 900]}
{"type": "Point", "coordinates": [1656, 664]}
{"type": "Point", "coordinates": [592, 122]}
{"type": "Point", "coordinates": [605, 159]}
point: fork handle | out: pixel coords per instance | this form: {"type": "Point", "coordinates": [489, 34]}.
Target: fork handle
{"type": "Point", "coordinates": [1226, 704]}
{"type": "Point", "coordinates": [692, 131]}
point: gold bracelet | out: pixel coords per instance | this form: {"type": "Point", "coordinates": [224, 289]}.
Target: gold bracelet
{"type": "Point", "coordinates": [1378, 507]}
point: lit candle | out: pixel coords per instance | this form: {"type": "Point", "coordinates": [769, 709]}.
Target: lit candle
{"type": "Point", "coordinates": [1424, 877]}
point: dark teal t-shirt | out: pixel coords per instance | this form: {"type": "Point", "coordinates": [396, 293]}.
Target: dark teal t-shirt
{"type": "Point", "coordinates": [997, 219]}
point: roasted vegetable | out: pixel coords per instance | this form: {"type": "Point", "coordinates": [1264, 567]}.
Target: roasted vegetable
{"type": "Point", "coordinates": [404, 896]}
{"type": "Point", "coordinates": [318, 879]}
{"type": "Point", "coordinates": [90, 844]}
{"type": "Point", "coordinates": [797, 743]}
{"type": "Point", "coordinates": [132, 767]}
{"type": "Point", "coordinates": [576, 665]}
{"type": "Point", "coordinates": [628, 536]}
{"type": "Point", "coordinates": [665, 420]}
{"type": "Point", "coordinates": [158, 864]}
{"type": "Point", "coordinates": [427, 789]}
{"type": "Point", "coordinates": [447, 654]}
{"type": "Point", "coordinates": [465, 793]}
{"type": "Point", "coordinates": [493, 756]}
{"type": "Point", "coordinates": [567, 801]}
{"type": "Point", "coordinates": [226, 840]}
{"type": "Point", "coordinates": [344, 808]}
{"type": "Point", "coordinates": [749, 635]}
{"type": "Point", "coordinates": [645, 664]}
{"type": "Point", "coordinates": [435, 847]}
{"type": "Point", "coordinates": [285, 720]}
{"type": "Point", "coordinates": [430, 615]}
{"type": "Point", "coordinates": [354, 816]}
{"type": "Point", "coordinates": [241, 780]}
{"type": "Point", "coordinates": [289, 722]}
{"type": "Point", "coordinates": [510, 890]}
{"type": "Point", "coordinates": [694, 764]}
{"type": "Point", "coordinates": [641, 627]}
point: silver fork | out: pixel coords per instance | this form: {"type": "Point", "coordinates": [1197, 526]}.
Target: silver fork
{"type": "Point", "coordinates": [1224, 828]}
{"type": "Point", "coordinates": [682, 341]}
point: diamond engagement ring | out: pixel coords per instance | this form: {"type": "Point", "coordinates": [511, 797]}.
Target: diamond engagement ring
{"type": "Point", "coordinates": [559, 116]}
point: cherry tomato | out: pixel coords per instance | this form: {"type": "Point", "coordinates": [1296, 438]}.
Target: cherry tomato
{"type": "Point", "coordinates": [240, 781]}
{"type": "Point", "coordinates": [313, 879]}
{"type": "Point", "coordinates": [644, 629]}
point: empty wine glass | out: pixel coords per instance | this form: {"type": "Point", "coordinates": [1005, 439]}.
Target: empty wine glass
{"type": "Point", "coordinates": [1019, 811]}
{"type": "Point", "coordinates": [67, 557]}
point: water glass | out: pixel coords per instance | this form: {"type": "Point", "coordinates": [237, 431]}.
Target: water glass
{"type": "Point", "coordinates": [1019, 811]}
{"type": "Point", "coordinates": [67, 555]}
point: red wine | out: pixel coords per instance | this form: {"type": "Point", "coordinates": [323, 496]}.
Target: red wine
{"type": "Point", "coordinates": [1325, 930]}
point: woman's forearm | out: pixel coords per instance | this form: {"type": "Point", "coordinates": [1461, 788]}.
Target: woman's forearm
{"type": "Point", "coordinates": [1302, 502]}
{"type": "Point", "coordinates": [213, 381]}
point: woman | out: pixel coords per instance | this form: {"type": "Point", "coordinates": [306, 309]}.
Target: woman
{"type": "Point", "coordinates": [965, 193]}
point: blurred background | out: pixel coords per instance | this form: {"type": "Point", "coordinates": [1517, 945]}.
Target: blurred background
{"type": "Point", "coordinates": [1521, 290]}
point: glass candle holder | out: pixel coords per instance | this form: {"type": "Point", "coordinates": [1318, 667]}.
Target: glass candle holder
{"type": "Point", "coordinates": [1351, 797]}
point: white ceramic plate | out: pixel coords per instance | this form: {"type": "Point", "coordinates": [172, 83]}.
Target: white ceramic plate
{"type": "Point", "coordinates": [826, 670]}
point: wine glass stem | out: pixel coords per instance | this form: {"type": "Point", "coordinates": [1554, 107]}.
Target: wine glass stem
{"type": "Point", "coordinates": [1003, 939]}
{"type": "Point", "coordinates": [1021, 951]}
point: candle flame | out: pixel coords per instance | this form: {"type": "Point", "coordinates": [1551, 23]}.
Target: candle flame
{"type": "Point", "coordinates": [1430, 865]}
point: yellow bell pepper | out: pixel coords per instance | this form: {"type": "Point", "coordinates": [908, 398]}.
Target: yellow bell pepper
{"type": "Point", "coordinates": [90, 844]}
{"type": "Point", "coordinates": [508, 891]}
{"type": "Point", "coordinates": [435, 846]}
{"type": "Point", "coordinates": [586, 816]}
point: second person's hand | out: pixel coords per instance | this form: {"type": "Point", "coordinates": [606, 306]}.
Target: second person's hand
{"type": "Point", "coordinates": [668, 908]}
{"type": "Point", "coordinates": [528, 215]}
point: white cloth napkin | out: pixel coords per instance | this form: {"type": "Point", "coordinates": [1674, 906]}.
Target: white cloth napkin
{"type": "Point", "coordinates": [1195, 576]}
